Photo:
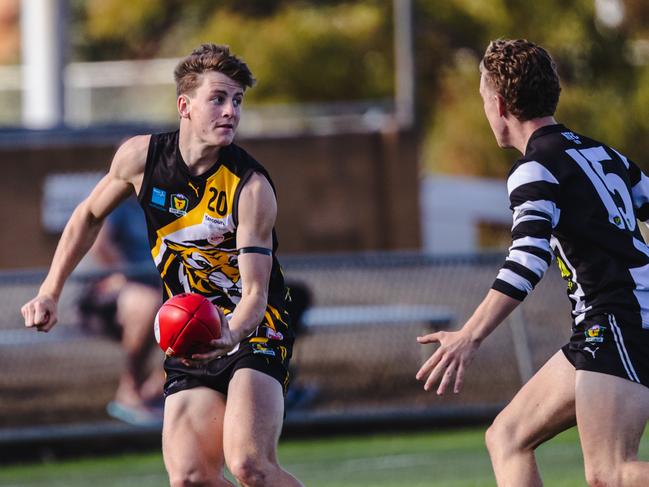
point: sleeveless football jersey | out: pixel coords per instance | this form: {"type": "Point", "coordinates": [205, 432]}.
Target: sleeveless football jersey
{"type": "Point", "coordinates": [192, 227]}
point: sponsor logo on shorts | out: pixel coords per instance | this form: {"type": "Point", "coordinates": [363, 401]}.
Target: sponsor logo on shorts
{"type": "Point", "coordinates": [258, 348]}
{"type": "Point", "coordinates": [591, 351]}
{"type": "Point", "coordinates": [158, 198]}
{"type": "Point", "coordinates": [595, 334]}
{"type": "Point", "coordinates": [179, 204]}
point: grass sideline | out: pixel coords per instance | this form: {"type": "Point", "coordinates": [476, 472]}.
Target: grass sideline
{"type": "Point", "coordinates": [435, 458]}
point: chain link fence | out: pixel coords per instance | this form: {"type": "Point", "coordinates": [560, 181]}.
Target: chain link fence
{"type": "Point", "coordinates": [350, 368]}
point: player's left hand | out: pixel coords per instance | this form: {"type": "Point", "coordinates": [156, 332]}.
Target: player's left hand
{"type": "Point", "coordinates": [455, 353]}
{"type": "Point", "coordinates": [220, 347]}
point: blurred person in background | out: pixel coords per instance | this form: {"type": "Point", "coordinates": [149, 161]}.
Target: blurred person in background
{"type": "Point", "coordinates": [123, 305]}
{"type": "Point", "coordinates": [210, 210]}
{"type": "Point", "coordinates": [578, 199]}
{"type": "Point", "coordinates": [301, 394]}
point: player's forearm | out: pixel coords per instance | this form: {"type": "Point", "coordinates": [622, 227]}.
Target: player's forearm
{"type": "Point", "coordinates": [248, 314]}
{"type": "Point", "coordinates": [77, 238]}
{"type": "Point", "coordinates": [495, 307]}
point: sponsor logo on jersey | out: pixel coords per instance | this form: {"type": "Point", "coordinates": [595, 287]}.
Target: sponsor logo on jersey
{"type": "Point", "coordinates": [158, 198]}
{"type": "Point", "coordinates": [193, 187]}
{"type": "Point", "coordinates": [595, 334]}
{"type": "Point", "coordinates": [216, 227]}
{"type": "Point", "coordinates": [571, 137]}
{"type": "Point", "coordinates": [210, 220]}
{"type": "Point", "coordinates": [179, 204]}
{"type": "Point", "coordinates": [258, 348]}
{"type": "Point", "coordinates": [274, 335]}
{"type": "Point", "coordinates": [565, 273]}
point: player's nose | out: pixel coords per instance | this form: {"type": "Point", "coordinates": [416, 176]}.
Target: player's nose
{"type": "Point", "coordinates": [228, 109]}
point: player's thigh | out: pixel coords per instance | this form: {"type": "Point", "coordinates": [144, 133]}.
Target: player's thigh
{"type": "Point", "coordinates": [543, 407]}
{"type": "Point", "coordinates": [192, 433]}
{"type": "Point", "coordinates": [138, 302]}
{"type": "Point", "coordinates": [611, 416]}
{"type": "Point", "coordinates": [253, 417]}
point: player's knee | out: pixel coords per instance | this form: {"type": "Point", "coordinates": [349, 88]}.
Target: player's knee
{"type": "Point", "coordinates": [189, 478]}
{"type": "Point", "coordinates": [504, 437]}
{"type": "Point", "coordinates": [251, 471]}
{"type": "Point", "coordinates": [602, 475]}
{"type": "Point", "coordinates": [496, 437]}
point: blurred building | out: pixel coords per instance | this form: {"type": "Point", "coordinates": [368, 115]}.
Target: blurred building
{"type": "Point", "coordinates": [464, 215]}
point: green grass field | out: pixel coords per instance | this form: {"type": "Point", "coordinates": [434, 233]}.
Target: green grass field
{"type": "Point", "coordinates": [441, 458]}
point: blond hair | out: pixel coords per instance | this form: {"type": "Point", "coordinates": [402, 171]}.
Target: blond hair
{"type": "Point", "coordinates": [210, 57]}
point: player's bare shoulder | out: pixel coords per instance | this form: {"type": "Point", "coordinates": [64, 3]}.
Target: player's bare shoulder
{"type": "Point", "coordinates": [129, 161]}
{"type": "Point", "coordinates": [257, 200]}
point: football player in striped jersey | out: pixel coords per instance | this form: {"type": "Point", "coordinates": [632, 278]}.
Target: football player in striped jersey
{"type": "Point", "coordinates": [576, 200]}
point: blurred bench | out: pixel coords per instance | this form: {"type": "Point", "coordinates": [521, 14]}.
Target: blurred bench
{"type": "Point", "coordinates": [330, 318]}
{"type": "Point", "coordinates": [323, 317]}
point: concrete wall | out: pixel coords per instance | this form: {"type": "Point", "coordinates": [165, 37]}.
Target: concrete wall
{"type": "Point", "coordinates": [336, 193]}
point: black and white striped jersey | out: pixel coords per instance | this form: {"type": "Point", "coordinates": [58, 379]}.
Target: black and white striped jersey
{"type": "Point", "coordinates": [580, 200]}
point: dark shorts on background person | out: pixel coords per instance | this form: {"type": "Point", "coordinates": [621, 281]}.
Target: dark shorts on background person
{"type": "Point", "coordinates": [270, 357]}
{"type": "Point", "coordinates": [603, 344]}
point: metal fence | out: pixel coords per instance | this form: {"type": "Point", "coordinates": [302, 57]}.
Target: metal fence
{"type": "Point", "coordinates": [352, 367]}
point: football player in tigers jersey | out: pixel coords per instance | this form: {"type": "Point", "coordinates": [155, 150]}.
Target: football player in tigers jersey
{"type": "Point", "coordinates": [210, 211]}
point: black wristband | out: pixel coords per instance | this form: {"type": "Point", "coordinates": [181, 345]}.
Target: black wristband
{"type": "Point", "coordinates": [255, 250]}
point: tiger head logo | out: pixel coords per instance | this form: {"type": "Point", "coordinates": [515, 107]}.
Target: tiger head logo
{"type": "Point", "coordinates": [206, 269]}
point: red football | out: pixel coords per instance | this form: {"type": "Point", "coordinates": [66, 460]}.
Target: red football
{"type": "Point", "coordinates": [185, 324]}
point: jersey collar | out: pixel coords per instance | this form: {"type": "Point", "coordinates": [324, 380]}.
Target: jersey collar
{"type": "Point", "coordinates": [542, 131]}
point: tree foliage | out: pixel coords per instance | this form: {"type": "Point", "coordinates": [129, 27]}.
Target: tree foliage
{"type": "Point", "coordinates": [334, 50]}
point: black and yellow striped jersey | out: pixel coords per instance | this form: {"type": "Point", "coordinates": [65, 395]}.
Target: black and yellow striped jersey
{"type": "Point", "coordinates": [192, 227]}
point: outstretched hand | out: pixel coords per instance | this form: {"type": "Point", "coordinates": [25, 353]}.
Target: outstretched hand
{"type": "Point", "coordinates": [40, 313]}
{"type": "Point", "coordinates": [455, 353]}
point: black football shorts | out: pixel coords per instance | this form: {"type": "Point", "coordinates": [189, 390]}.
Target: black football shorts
{"type": "Point", "coordinates": [265, 355]}
{"type": "Point", "coordinates": [602, 344]}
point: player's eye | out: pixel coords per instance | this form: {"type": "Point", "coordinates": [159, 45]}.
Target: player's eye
{"type": "Point", "coordinates": [237, 102]}
{"type": "Point", "coordinates": [218, 100]}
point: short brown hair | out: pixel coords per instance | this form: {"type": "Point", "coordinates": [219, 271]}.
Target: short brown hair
{"type": "Point", "coordinates": [525, 75]}
{"type": "Point", "coordinates": [210, 57]}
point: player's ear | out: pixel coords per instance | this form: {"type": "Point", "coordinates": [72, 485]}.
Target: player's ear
{"type": "Point", "coordinates": [500, 105]}
{"type": "Point", "coordinates": [183, 104]}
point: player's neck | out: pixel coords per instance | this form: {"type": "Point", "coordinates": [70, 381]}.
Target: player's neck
{"type": "Point", "coordinates": [520, 132]}
{"type": "Point", "coordinates": [197, 155]}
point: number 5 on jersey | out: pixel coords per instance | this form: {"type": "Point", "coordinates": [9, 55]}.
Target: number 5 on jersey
{"type": "Point", "coordinates": [606, 185]}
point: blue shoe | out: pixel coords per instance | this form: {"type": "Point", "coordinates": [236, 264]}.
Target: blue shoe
{"type": "Point", "coordinates": [134, 416]}
{"type": "Point", "coordinates": [300, 397]}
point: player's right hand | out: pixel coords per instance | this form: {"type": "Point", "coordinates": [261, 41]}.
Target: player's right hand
{"type": "Point", "coordinates": [40, 313]}
{"type": "Point", "coordinates": [452, 357]}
